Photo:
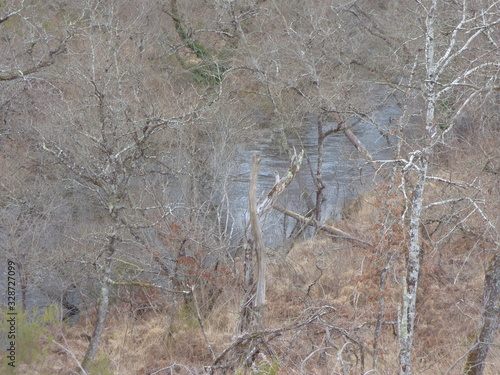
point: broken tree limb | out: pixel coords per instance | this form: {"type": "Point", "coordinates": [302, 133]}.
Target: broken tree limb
{"type": "Point", "coordinates": [356, 142]}
{"type": "Point", "coordinates": [251, 311]}
{"type": "Point", "coordinates": [230, 358]}
{"type": "Point", "coordinates": [375, 164]}
{"type": "Point", "coordinates": [281, 184]}
{"type": "Point", "coordinates": [258, 243]}
{"type": "Point", "coordinates": [323, 227]}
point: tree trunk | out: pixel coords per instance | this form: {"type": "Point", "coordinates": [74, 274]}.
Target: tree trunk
{"type": "Point", "coordinates": [258, 244]}
{"type": "Point", "coordinates": [248, 312]}
{"type": "Point", "coordinates": [476, 359]}
{"type": "Point", "coordinates": [102, 308]}
{"type": "Point", "coordinates": [245, 313]}
{"type": "Point", "coordinates": [319, 173]}
{"type": "Point", "coordinates": [418, 160]}
{"type": "Point", "coordinates": [380, 312]}
{"type": "Point", "coordinates": [406, 321]}
{"type": "Point", "coordinates": [254, 300]}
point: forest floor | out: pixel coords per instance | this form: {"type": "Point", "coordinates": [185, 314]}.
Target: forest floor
{"type": "Point", "coordinates": [148, 332]}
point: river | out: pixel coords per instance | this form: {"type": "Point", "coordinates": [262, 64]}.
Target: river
{"type": "Point", "coordinates": [345, 176]}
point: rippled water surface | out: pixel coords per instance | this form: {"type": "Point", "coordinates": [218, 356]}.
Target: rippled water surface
{"type": "Point", "coordinates": [344, 177]}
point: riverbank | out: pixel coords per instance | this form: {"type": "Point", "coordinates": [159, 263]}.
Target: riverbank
{"type": "Point", "coordinates": [332, 283]}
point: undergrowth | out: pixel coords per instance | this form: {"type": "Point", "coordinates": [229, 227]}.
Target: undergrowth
{"type": "Point", "coordinates": [332, 284]}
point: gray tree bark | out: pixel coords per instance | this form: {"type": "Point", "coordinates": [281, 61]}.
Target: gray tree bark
{"type": "Point", "coordinates": [476, 359]}
{"type": "Point", "coordinates": [103, 303]}
{"type": "Point", "coordinates": [258, 244]}
{"type": "Point", "coordinates": [251, 311]}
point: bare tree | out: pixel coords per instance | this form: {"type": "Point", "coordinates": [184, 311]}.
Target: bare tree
{"type": "Point", "coordinates": [111, 113]}
{"type": "Point", "coordinates": [439, 60]}
{"type": "Point", "coordinates": [252, 307]}
{"type": "Point", "coordinates": [129, 121]}
{"type": "Point", "coordinates": [258, 245]}
{"type": "Point", "coordinates": [453, 68]}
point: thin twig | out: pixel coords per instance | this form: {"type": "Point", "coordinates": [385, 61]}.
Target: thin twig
{"type": "Point", "coordinates": [82, 371]}
{"type": "Point", "coordinates": [195, 301]}
{"type": "Point", "coordinates": [273, 332]}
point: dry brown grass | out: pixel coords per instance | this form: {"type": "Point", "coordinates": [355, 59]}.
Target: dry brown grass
{"type": "Point", "coordinates": [316, 273]}
{"type": "Point", "coordinates": [336, 274]}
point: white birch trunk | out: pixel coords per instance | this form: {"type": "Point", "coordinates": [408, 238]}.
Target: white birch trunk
{"type": "Point", "coordinates": [410, 282]}
{"type": "Point", "coordinates": [407, 313]}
